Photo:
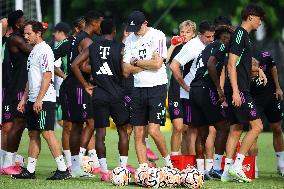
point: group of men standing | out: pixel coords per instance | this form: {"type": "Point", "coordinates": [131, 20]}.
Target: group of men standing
{"type": "Point", "coordinates": [210, 89]}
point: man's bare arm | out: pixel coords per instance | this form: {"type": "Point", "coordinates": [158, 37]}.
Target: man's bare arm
{"type": "Point", "coordinates": [79, 61]}
{"type": "Point", "coordinates": [175, 67]}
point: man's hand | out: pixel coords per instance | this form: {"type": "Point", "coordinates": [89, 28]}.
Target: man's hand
{"type": "Point", "coordinates": [156, 56]}
{"type": "Point", "coordinates": [236, 99]}
{"type": "Point", "coordinates": [37, 106]}
{"type": "Point", "coordinates": [221, 95]}
{"type": "Point", "coordinates": [133, 61]}
{"type": "Point", "coordinates": [89, 89]}
{"type": "Point", "coordinates": [262, 76]}
{"type": "Point", "coordinates": [186, 88]}
{"type": "Point", "coordinates": [279, 94]}
{"type": "Point", "coordinates": [21, 106]}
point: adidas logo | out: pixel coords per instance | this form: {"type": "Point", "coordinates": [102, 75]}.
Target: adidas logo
{"type": "Point", "coordinates": [132, 23]}
{"type": "Point", "coordinates": [104, 70]}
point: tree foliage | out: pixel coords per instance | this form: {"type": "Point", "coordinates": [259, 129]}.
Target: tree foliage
{"type": "Point", "coordinates": [178, 10]}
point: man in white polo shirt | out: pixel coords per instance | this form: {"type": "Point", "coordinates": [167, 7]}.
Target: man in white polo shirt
{"type": "Point", "coordinates": [187, 59]}
{"type": "Point", "coordinates": [144, 52]}
{"type": "Point", "coordinates": [39, 99]}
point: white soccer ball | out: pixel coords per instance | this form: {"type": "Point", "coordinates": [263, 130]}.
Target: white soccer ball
{"type": "Point", "coordinates": [141, 175]}
{"type": "Point", "coordinates": [173, 177]}
{"type": "Point", "coordinates": [120, 176]}
{"type": "Point", "coordinates": [192, 178]}
{"type": "Point", "coordinates": [156, 178]}
{"type": "Point", "coordinates": [88, 164]}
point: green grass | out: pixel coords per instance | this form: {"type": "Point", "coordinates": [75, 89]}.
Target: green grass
{"type": "Point", "coordinates": [46, 164]}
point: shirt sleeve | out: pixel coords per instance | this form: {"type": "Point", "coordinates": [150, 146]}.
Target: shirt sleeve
{"type": "Point", "coordinates": [237, 44]}
{"type": "Point", "coordinates": [127, 52]}
{"type": "Point", "coordinates": [61, 49]}
{"type": "Point", "coordinates": [219, 52]}
{"type": "Point", "coordinates": [186, 54]}
{"type": "Point", "coordinates": [266, 56]}
{"type": "Point", "coordinates": [47, 61]}
{"type": "Point", "coordinates": [160, 44]}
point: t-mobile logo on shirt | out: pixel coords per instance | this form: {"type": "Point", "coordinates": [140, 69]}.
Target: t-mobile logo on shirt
{"type": "Point", "coordinates": [142, 54]}
{"type": "Point", "coordinates": [104, 69]}
{"type": "Point", "coordinates": [104, 51]}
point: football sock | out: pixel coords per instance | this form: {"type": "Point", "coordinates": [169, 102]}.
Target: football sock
{"type": "Point", "coordinates": [174, 153]}
{"type": "Point", "coordinates": [208, 164]}
{"type": "Point", "coordinates": [103, 164]}
{"type": "Point", "coordinates": [93, 155]}
{"type": "Point", "coordinates": [123, 161]}
{"type": "Point", "coordinates": [60, 163]}
{"type": "Point", "coordinates": [168, 161]}
{"type": "Point", "coordinates": [217, 162]}
{"type": "Point", "coordinates": [75, 163]}
{"type": "Point", "coordinates": [82, 152]}
{"type": "Point", "coordinates": [31, 164]}
{"type": "Point", "coordinates": [200, 165]}
{"type": "Point", "coordinates": [8, 160]}
{"type": "Point", "coordinates": [67, 155]}
{"type": "Point", "coordinates": [280, 159]}
{"type": "Point", "coordinates": [238, 164]}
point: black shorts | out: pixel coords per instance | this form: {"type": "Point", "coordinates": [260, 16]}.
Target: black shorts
{"type": "Point", "coordinates": [9, 108]}
{"type": "Point", "coordinates": [270, 107]}
{"type": "Point", "coordinates": [187, 117]}
{"type": "Point", "coordinates": [245, 113]}
{"type": "Point", "coordinates": [148, 105]}
{"type": "Point", "coordinates": [63, 99]}
{"type": "Point", "coordinates": [127, 101]}
{"type": "Point", "coordinates": [79, 102]}
{"type": "Point", "coordinates": [103, 110]}
{"type": "Point", "coordinates": [43, 121]}
{"type": "Point", "coordinates": [175, 108]}
{"type": "Point", "coordinates": [205, 108]}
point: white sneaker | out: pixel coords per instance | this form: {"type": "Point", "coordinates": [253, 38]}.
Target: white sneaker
{"type": "Point", "coordinates": [80, 173]}
{"type": "Point", "coordinates": [238, 174]}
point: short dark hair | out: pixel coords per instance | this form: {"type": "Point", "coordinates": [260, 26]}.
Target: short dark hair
{"type": "Point", "coordinates": [14, 16]}
{"type": "Point", "coordinates": [78, 21]}
{"type": "Point", "coordinates": [91, 16]}
{"type": "Point", "coordinates": [252, 9]}
{"type": "Point", "coordinates": [206, 26]}
{"type": "Point", "coordinates": [222, 29]}
{"type": "Point", "coordinates": [107, 26]}
{"type": "Point", "coordinates": [36, 26]}
{"type": "Point", "coordinates": [222, 20]}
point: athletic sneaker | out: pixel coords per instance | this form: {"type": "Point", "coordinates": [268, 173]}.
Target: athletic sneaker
{"type": "Point", "coordinates": [105, 176]}
{"type": "Point", "coordinates": [60, 175]}
{"type": "Point", "coordinates": [280, 171]}
{"type": "Point", "coordinates": [207, 176]}
{"type": "Point", "coordinates": [96, 170]}
{"type": "Point", "coordinates": [151, 155]}
{"type": "Point", "coordinates": [130, 168]}
{"type": "Point", "coordinates": [239, 174]}
{"type": "Point", "coordinates": [12, 170]}
{"type": "Point", "coordinates": [80, 173]}
{"type": "Point", "coordinates": [25, 174]}
{"type": "Point", "coordinates": [215, 173]}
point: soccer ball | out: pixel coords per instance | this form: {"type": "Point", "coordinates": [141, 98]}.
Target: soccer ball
{"type": "Point", "coordinates": [120, 176]}
{"type": "Point", "coordinates": [141, 175]}
{"type": "Point", "coordinates": [192, 178]}
{"type": "Point", "coordinates": [87, 164]}
{"type": "Point", "coordinates": [156, 178]}
{"type": "Point", "coordinates": [173, 177]}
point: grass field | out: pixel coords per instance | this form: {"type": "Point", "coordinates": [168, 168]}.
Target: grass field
{"type": "Point", "coordinates": [46, 164]}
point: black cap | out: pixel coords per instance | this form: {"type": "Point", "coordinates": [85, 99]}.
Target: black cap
{"type": "Point", "coordinates": [135, 20]}
{"type": "Point", "coordinates": [14, 16]}
{"type": "Point", "coordinates": [62, 26]}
